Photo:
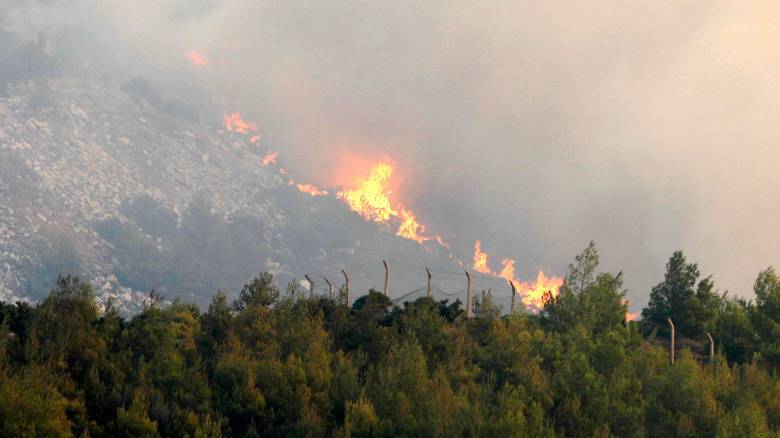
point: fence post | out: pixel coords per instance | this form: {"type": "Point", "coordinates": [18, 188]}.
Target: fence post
{"type": "Point", "coordinates": [712, 347]}
{"type": "Point", "coordinates": [346, 288]}
{"type": "Point", "coordinates": [429, 281]}
{"type": "Point", "coordinates": [311, 286]}
{"type": "Point", "coordinates": [330, 287]}
{"type": "Point", "coordinates": [514, 293]}
{"type": "Point", "coordinates": [468, 295]}
{"type": "Point", "coordinates": [671, 345]}
{"type": "Point", "coordinates": [387, 279]}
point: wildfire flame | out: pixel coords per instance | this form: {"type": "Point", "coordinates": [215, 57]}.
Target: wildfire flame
{"type": "Point", "coordinates": [410, 228]}
{"type": "Point", "coordinates": [630, 316]}
{"type": "Point", "coordinates": [480, 259]}
{"type": "Point", "coordinates": [196, 59]}
{"type": "Point", "coordinates": [311, 189]}
{"type": "Point", "coordinates": [270, 158]}
{"type": "Point", "coordinates": [234, 123]}
{"type": "Point", "coordinates": [371, 200]}
{"type": "Point", "coordinates": [534, 295]}
{"type": "Point", "coordinates": [507, 270]}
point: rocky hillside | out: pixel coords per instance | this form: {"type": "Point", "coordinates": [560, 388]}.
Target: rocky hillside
{"type": "Point", "coordinates": [134, 197]}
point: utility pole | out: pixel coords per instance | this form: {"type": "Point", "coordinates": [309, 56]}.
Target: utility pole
{"type": "Point", "coordinates": [671, 346]}
{"type": "Point", "coordinates": [514, 293]}
{"type": "Point", "coordinates": [330, 287]}
{"type": "Point", "coordinates": [387, 279]}
{"type": "Point", "coordinates": [429, 281]}
{"type": "Point", "coordinates": [468, 295]}
{"type": "Point", "coordinates": [346, 287]}
{"type": "Point", "coordinates": [712, 347]}
{"type": "Point", "coordinates": [311, 286]}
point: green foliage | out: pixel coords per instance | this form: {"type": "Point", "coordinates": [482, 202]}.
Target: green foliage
{"type": "Point", "coordinates": [691, 303]}
{"type": "Point", "coordinates": [31, 406]}
{"type": "Point", "coordinates": [766, 316]}
{"type": "Point", "coordinates": [274, 364]}
{"type": "Point", "coordinates": [261, 291]}
{"type": "Point", "coordinates": [361, 419]}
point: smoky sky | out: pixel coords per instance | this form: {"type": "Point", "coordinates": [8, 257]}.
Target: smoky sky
{"type": "Point", "coordinates": [533, 126]}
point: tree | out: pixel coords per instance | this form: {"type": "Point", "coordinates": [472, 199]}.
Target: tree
{"type": "Point", "coordinates": [31, 405]}
{"type": "Point", "coordinates": [63, 332]}
{"type": "Point", "coordinates": [361, 419]}
{"type": "Point", "coordinates": [734, 333]}
{"type": "Point", "coordinates": [766, 316]}
{"type": "Point", "coordinates": [691, 303]}
{"type": "Point", "coordinates": [261, 291]}
{"type": "Point", "coordinates": [290, 365]}
{"type": "Point", "coordinates": [587, 298]}
{"type": "Point", "coordinates": [582, 273]}
{"type": "Point", "coordinates": [135, 422]}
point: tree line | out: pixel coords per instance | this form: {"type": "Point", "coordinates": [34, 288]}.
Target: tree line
{"type": "Point", "coordinates": [279, 363]}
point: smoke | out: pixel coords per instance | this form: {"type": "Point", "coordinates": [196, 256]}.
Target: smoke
{"type": "Point", "coordinates": [533, 126]}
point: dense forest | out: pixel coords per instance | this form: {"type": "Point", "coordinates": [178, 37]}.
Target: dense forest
{"type": "Point", "coordinates": [280, 363]}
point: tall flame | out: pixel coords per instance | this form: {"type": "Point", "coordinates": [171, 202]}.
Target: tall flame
{"type": "Point", "coordinates": [507, 270]}
{"type": "Point", "coordinates": [371, 199]}
{"type": "Point", "coordinates": [410, 228]}
{"type": "Point", "coordinates": [480, 259]}
{"type": "Point", "coordinates": [534, 295]}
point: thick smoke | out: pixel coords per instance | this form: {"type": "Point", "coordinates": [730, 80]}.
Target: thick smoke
{"type": "Point", "coordinates": [536, 127]}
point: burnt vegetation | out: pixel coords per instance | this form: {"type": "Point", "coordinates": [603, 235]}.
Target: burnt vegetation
{"type": "Point", "coordinates": [281, 363]}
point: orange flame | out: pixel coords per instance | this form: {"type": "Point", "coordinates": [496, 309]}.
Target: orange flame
{"type": "Point", "coordinates": [534, 295]}
{"type": "Point", "coordinates": [311, 189]}
{"type": "Point", "coordinates": [270, 158]}
{"type": "Point", "coordinates": [234, 122]}
{"type": "Point", "coordinates": [508, 270]}
{"type": "Point", "coordinates": [630, 316]}
{"type": "Point", "coordinates": [480, 259]}
{"type": "Point", "coordinates": [371, 200]}
{"type": "Point", "coordinates": [410, 228]}
{"type": "Point", "coordinates": [196, 59]}
{"type": "Point", "coordinates": [254, 139]}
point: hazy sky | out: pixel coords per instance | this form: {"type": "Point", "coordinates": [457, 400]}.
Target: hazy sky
{"type": "Point", "coordinates": [535, 126]}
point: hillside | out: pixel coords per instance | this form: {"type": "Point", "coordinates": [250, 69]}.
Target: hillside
{"type": "Point", "coordinates": [98, 178]}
